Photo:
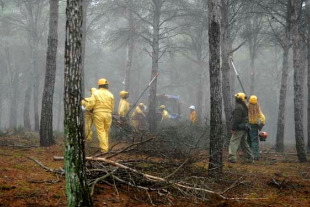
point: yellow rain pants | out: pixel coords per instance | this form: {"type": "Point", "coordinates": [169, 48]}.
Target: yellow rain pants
{"type": "Point", "coordinates": [102, 103]}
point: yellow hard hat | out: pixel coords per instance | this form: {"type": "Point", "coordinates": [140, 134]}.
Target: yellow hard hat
{"type": "Point", "coordinates": [141, 104]}
{"type": "Point", "coordinates": [122, 94]}
{"type": "Point", "coordinates": [241, 96]}
{"type": "Point", "coordinates": [92, 90]}
{"type": "Point", "coordinates": [103, 81]}
{"type": "Point", "coordinates": [253, 99]}
{"type": "Point", "coordinates": [162, 107]}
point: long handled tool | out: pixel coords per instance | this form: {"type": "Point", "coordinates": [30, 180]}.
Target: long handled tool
{"type": "Point", "coordinates": [150, 83]}
{"type": "Point", "coordinates": [232, 63]}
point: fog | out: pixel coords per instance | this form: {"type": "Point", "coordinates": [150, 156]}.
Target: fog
{"type": "Point", "coordinates": [23, 44]}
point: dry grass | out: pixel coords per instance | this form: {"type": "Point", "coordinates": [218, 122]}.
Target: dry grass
{"type": "Point", "coordinates": [275, 180]}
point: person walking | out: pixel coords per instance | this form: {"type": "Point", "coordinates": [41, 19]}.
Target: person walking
{"type": "Point", "coordinates": [257, 122]}
{"type": "Point", "coordinates": [124, 106]}
{"type": "Point", "coordinates": [88, 117]}
{"type": "Point", "coordinates": [192, 115]}
{"type": "Point", "coordinates": [138, 118]}
{"type": "Point", "coordinates": [102, 104]}
{"type": "Point", "coordinates": [240, 129]}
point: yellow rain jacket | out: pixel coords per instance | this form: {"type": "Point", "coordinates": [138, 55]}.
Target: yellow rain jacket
{"type": "Point", "coordinates": [193, 116]}
{"type": "Point", "coordinates": [137, 118]}
{"type": "Point", "coordinates": [88, 118]}
{"type": "Point", "coordinates": [123, 107]}
{"type": "Point", "coordinates": [165, 115]}
{"type": "Point", "coordinates": [254, 119]}
{"type": "Point", "coordinates": [102, 104]}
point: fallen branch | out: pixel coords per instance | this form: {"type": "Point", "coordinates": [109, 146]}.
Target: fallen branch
{"type": "Point", "coordinates": [18, 146]}
{"type": "Point", "coordinates": [44, 181]}
{"type": "Point", "coordinates": [57, 171]}
{"type": "Point", "coordinates": [147, 176]}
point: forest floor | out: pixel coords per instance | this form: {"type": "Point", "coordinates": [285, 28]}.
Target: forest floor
{"type": "Point", "coordinates": [275, 180]}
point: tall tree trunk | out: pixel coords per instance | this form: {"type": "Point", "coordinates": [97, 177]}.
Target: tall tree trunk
{"type": "Point", "coordinates": [199, 93]}
{"type": "Point", "coordinates": [35, 90]}
{"type": "Point", "coordinates": [12, 75]}
{"type": "Point", "coordinates": [282, 100]}
{"type": "Point", "coordinates": [226, 88]}
{"type": "Point", "coordinates": [13, 103]}
{"type": "Point", "coordinates": [76, 184]}
{"type": "Point", "coordinates": [130, 50]}
{"type": "Point", "coordinates": [308, 81]}
{"type": "Point", "coordinates": [216, 138]}
{"type": "Point", "coordinates": [155, 55]}
{"type": "Point", "coordinates": [298, 86]}
{"type": "Point", "coordinates": [59, 113]}
{"type": "Point", "coordinates": [284, 79]}
{"type": "Point", "coordinates": [27, 123]}
{"type": "Point", "coordinates": [46, 125]}
{"type": "Point", "coordinates": [84, 28]}
{"type": "Point", "coordinates": [252, 74]}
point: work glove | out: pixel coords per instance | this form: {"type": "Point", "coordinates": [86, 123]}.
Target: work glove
{"type": "Point", "coordinates": [260, 127]}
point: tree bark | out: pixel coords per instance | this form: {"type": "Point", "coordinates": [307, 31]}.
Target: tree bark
{"type": "Point", "coordinates": [284, 80]}
{"type": "Point", "coordinates": [13, 84]}
{"type": "Point", "coordinates": [76, 184]}
{"type": "Point", "coordinates": [199, 93]}
{"type": "Point", "coordinates": [308, 80]}
{"type": "Point", "coordinates": [216, 138]}
{"type": "Point", "coordinates": [27, 123]}
{"type": "Point", "coordinates": [298, 86]}
{"type": "Point", "coordinates": [46, 124]}
{"type": "Point", "coordinates": [155, 55]}
{"type": "Point", "coordinates": [226, 88]}
{"type": "Point", "coordinates": [13, 103]}
{"type": "Point", "coordinates": [282, 100]}
{"type": "Point", "coordinates": [130, 50]}
{"type": "Point", "coordinates": [85, 7]}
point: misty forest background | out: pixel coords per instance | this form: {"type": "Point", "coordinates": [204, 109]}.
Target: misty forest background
{"type": "Point", "coordinates": [256, 28]}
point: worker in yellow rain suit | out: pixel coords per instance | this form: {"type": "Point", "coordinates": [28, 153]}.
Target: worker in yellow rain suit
{"type": "Point", "coordinates": [138, 117]}
{"type": "Point", "coordinates": [123, 107]}
{"type": "Point", "coordinates": [257, 122]}
{"type": "Point", "coordinates": [102, 104]}
{"type": "Point", "coordinates": [193, 115]}
{"type": "Point", "coordinates": [165, 117]}
{"type": "Point", "coordinates": [88, 118]}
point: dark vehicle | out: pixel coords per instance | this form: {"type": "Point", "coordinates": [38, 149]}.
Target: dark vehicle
{"type": "Point", "coordinates": [172, 103]}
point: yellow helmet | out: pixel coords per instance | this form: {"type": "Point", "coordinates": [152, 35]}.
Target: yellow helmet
{"type": "Point", "coordinates": [141, 104]}
{"type": "Point", "coordinates": [162, 107]}
{"type": "Point", "coordinates": [92, 90]}
{"type": "Point", "coordinates": [253, 99]}
{"type": "Point", "coordinates": [103, 81]}
{"type": "Point", "coordinates": [123, 94]}
{"type": "Point", "coordinates": [241, 96]}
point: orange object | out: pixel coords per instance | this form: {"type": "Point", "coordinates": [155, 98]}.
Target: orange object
{"type": "Point", "coordinates": [263, 136]}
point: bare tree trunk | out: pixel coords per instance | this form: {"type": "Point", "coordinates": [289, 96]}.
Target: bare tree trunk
{"type": "Point", "coordinates": [12, 79]}
{"type": "Point", "coordinates": [308, 81]}
{"type": "Point", "coordinates": [60, 113]}
{"type": "Point", "coordinates": [155, 57]}
{"type": "Point", "coordinates": [226, 48]}
{"type": "Point", "coordinates": [216, 136]}
{"type": "Point", "coordinates": [35, 91]}
{"type": "Point", "coordinates": [199, 93]}
{"type": "Point", "coordinates": [85, 7]}
{"type": "Point", "coordinates": [13, 103]}
{"type": "Point", "coordinates": [76, 183]}
{"type": "Point", "coordinates": [130, 50]}
{"type": "Point", "coordinates": [252, 74]}
{"type": "Point", "coordinates": [282, 100]}
{"type": "Point", "coordinates": [298, 86]}
{"type": "Point", "coordinates": [46, 125]}
{"type": "Point", "coordinates": [27, 123]}
{"type": "Point", "coordinates": [284, 79]}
